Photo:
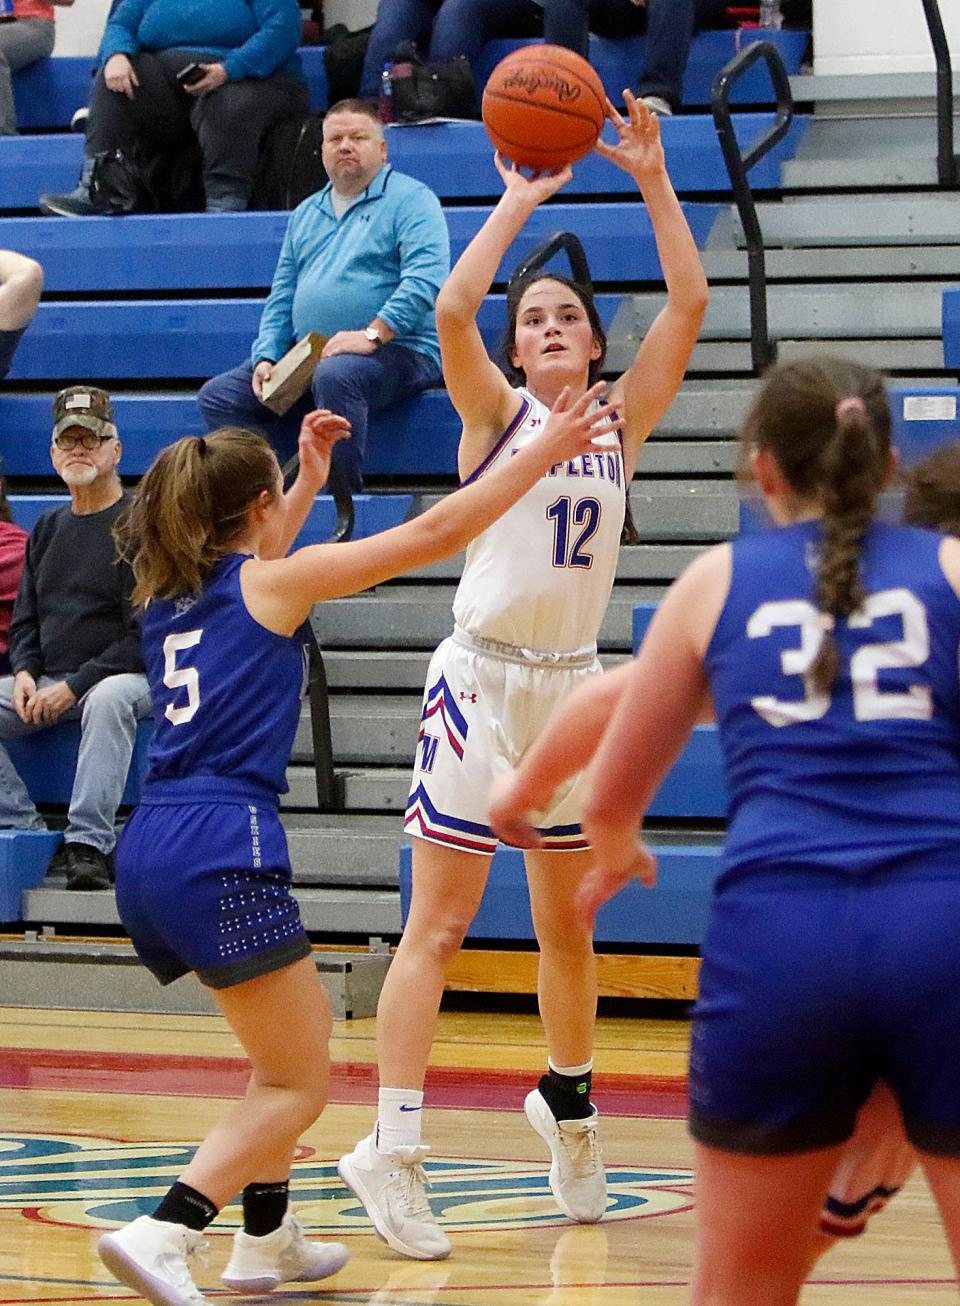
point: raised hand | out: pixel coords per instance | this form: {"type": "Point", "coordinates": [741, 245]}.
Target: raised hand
{"type": "Point", "coordinates": [572, 427]}
{"type": "Point", "coordinates": [639, 150]}
{"type": "Point", "coordinates": [319, 432]}
{"type": "Point", "coordinates": [536, 188]}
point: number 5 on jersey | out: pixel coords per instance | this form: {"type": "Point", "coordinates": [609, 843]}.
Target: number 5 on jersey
{"type": "Point", "coordinates": [175, 677]}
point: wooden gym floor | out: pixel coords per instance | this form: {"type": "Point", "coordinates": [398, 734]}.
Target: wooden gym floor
{"type": "Point", "coordinates": [98, 1110]}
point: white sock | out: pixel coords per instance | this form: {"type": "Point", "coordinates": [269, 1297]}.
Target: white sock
{"type": "Point", "coordinates": [571, 1071]}
{"type": "Point", "coordinates": [399, 1113]}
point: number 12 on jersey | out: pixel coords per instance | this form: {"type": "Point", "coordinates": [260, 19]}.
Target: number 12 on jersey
{"type": "Point", "coordinates": [584, 513]}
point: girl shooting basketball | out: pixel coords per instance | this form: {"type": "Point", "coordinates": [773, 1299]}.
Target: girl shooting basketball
{"type": "Point", "coordinates": [527, 611]}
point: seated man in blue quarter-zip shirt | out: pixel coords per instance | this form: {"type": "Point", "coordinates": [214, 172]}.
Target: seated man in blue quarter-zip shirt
{"type": "Point", "coordinates": [361, 263]}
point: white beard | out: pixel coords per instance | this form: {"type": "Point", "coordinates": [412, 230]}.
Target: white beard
{"type": "Point", "coordinates": [79, 475]}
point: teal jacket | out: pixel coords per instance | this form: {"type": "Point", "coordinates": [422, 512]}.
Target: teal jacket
{"type": "Point", "coordinates": [387, 257]}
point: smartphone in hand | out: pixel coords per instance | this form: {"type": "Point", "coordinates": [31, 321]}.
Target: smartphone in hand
{"type": "Point", "coordinates": [191, 74]}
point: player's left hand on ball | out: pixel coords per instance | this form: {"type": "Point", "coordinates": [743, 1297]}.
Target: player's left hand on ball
{"type": "Point", "coordinates": [510, 816]}
{"type": "Point", "coordinates": [639, 150]}
{"type": "Point", "coordinates": [602, 883]}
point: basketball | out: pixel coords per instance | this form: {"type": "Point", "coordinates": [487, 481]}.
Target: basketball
{"type": "Point", "coordinates": [544, 107]}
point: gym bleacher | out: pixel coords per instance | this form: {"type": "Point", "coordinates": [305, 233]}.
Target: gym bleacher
{"type": "Point", "coordinates": [151, 306]}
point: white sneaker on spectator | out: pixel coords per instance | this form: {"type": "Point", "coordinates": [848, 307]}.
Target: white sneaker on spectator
{"type": "Point", "coordinates": [393, 1189]}
{"type": "Point", "coordinates": [658, 105]}
{"type": "Point", "coordinates": [577, 1178]}
{"type": "Point", "coordinates": [78, 123]}
{"type": "Point", "coordinates": [150, 1256]}
{"type": "Point", "coordinates": [283, 1256]}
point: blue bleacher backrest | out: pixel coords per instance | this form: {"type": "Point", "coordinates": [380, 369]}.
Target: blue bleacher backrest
{"type": "Point", "coordinates": [924, 419]}
{"type": "Point", "coordinates": [48, 92]}
{"type": "Point", "coordinates": [951, 327]}
{"type": "Point", "coordinates": [675, 912]}
{"type": "Point", "coordinates": [47, 760]}
{"type": "Point", "coordinates": [24, 855]}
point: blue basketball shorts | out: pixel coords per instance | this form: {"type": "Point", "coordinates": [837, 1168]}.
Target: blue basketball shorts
{"type": "Point", "coordinates": [205, 887]}
{"type": "Point", "coordinates": [814, 990]}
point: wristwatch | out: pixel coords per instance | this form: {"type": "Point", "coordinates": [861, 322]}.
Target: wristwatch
{"type": "Point", "coordinates": [373, 335]}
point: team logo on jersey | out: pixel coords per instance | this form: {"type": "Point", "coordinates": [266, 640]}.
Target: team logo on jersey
{"type": "Point", "coordinates": [183, 603]}
{"type": "Point", "coordinates": [441, 702]}
{"type": "Point", "coordinates": [102, 1182]}
{"type": "Point", "coordinates": [467, 698]}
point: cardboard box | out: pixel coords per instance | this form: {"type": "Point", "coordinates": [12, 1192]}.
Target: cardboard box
{"type": "Point", "coordinates": [293, 373]}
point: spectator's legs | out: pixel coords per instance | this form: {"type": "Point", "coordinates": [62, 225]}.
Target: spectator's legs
{"type": "Point", "coordinates": [397, 20]}
{"type": "Point", "coordinates": [159, 111]}
{"type": "Point", "coordinates": [22, 42]}
{"type": "Point", "coordinates": [356, 385]}
{"type": "Point", "coordinates": [109, 713]}
{"type": "Point", "coordinates": [231, 123]}
{"type": "Point", "coordinates": [670, 28]}
{"type": "Point", "coordinates": [228, 400]}
{"type": "Point", "coordinates": [567, 22]}
{"type": "Point", "coordinates": [17, 811]}
{"type": "Point", "coordinates": [462, 26]}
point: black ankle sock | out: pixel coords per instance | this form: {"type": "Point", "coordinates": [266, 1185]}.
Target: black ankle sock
{"type": "Point", "coordinates": [567, 1096]}
{"type": "Point", "coordinates": [184, 1205]}
{"type": "Point", "coordinates": [264, 1206]}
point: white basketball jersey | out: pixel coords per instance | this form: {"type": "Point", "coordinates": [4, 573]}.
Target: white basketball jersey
{"type": "Point", "coordinates": [540, 577]}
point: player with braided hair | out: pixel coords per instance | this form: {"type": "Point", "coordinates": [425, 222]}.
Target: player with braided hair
{"type": "Point", "coordinates": [830, 965]}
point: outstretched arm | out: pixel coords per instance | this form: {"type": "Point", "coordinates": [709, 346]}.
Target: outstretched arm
{"type": "Point", "coordinates": [319, 432]}
{"type": "Point", "coordinates": [289, 587]}
{"type": "Point", "coordinates": [478, 389]}
{"type": "Point", "coordinates": [648, 387]}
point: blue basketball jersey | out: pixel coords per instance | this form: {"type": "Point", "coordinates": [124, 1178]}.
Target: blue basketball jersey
{"type": "Point", "coordinates": [867, 775]}
{"type": "Point", "coordinates": [226, 691]}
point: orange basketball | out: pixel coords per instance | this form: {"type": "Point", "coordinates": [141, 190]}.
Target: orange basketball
{"type": "Point", "coordinates": [544, 106]}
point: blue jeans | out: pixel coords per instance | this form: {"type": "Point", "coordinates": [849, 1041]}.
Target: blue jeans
{"type": "Point", "coordinates": [108, 715]}
{"type": "Point", "coordinates": [444, 28]}
{"type": "Point", "coordinates": [353, 385]}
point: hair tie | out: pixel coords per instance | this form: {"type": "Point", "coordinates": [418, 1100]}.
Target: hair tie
{"type": "Point", "coordinates": [852, 404]}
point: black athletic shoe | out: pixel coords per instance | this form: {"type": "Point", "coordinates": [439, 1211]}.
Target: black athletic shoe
{"type": "Point", "coordinates": [75, 205]}
{"type": "Point", "coordinates": [59, 863]}
{"type": "Point", "coordinates": [87, 868]}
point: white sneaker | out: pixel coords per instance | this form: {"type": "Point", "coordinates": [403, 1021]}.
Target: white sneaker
{"type": "Point", "coordinates": [393, 1189]}
{"type": "Point", "coordinates": [151, 1257]}
{"type": "Point", "coordinates": [658, 105]}
{"type": "Point", "coordinates": [577, 1178]}
{"type": "Point", "coordinates": [284, 1256]}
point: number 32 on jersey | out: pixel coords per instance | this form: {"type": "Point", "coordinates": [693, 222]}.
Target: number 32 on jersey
{"type": "Point", "coordinates": [870, 702]}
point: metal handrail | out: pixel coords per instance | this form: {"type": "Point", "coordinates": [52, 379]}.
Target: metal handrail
{"type": "Point", "coordinates": [762, 350]}
{"type": "Point", "coordinates": [948, 162]}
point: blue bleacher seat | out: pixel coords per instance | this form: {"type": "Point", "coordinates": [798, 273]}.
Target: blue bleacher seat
{"type": "Point", "coordinates": [24, 855]}
{"type": "Point", "coordinates": [675, 913]}
{"type": "Point", "coordinates": [951, 327]}
{"type": "Point", "coordinates": [420, 435]}
{"type": "Point", "coordinates": [48, 92]}
{"type": "Point", "coordinates": [454, 159]}
{"type": "Point", "coordinates": [239, 250]}
{"type": "Point", "coordinates": [156, 338]}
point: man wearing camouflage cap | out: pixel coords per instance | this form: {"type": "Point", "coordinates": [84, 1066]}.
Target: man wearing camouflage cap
{"type": "Point", "coordinates": [75, 641]}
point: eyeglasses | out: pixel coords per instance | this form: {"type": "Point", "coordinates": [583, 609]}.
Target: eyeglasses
{"type": "Point", "coordinates": [68, 440]}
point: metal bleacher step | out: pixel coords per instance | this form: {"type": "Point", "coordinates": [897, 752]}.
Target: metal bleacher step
{"type": "Point", "coordinates": [106, 975]}
{"type": "Point", "coordinates": [391, 669]}
{"type": "Point", "coordinates": [860, 220]}
{"type": "Point", "coordinates": [854, 150]}
{"type": "Point", "coordinates": [640, 562]}
{"type": "Point", "coordinates": [414, 617]}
